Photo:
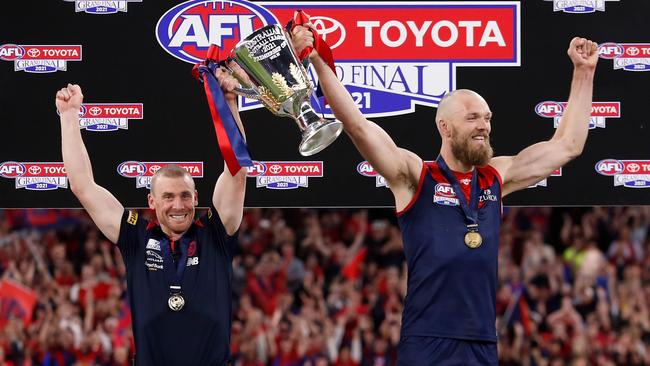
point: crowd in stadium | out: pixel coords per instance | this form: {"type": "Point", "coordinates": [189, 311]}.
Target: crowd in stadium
{"type": "Point", "coordinates": [326, 287]}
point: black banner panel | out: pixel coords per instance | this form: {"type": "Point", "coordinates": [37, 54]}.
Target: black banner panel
{"type": "Point", "coordinates": [143, 108]}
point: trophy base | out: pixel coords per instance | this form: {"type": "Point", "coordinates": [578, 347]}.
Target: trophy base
{"type": "Point", "coordinates": [319, 135]}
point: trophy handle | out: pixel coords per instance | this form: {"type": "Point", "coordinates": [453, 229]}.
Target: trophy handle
{"type": "Point", "coordinates": [246, 90]}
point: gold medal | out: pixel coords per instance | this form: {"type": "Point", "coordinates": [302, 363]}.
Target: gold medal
{"type": "Point", "coordinates": [473, 239]}
{"type": "Point", "coordinates": [176, 302]}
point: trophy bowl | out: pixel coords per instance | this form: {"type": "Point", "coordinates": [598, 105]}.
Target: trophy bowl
{"type": "Point", "coordinates": [280, 82]}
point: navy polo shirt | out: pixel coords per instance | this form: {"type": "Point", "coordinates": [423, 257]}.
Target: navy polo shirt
{"type": "Point", "coordinates": [199, 334]}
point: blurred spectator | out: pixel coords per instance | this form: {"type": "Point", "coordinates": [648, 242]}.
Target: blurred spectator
{"type": "Point", "coordinates": [327, 288]}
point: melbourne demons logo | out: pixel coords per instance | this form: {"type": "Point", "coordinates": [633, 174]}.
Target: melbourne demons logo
{"type": "Point", "coordinates": [35, 176]}
{"type": "Point", "coordinates": [284, 174]}
{"type": "Point", "coordinates": [626, 173]}
{"type": "Point", "coordinates": [144, 171]}
{"type": "Point", "coordinates": [364, 168]}
{"type": "Point", "coordinates": [543, 182]}
{"type": "Point", "coordinates": [103, 117]}
{"type": "Point", "coordinates": [579, 6]}
{"type": "Point", "coordinates": [600, 111]}
{"type": "Point", "coordinates": [627, 56]}
{"type": "Point", "coordinates": [40, 59]}
{"type": "Point", "coordinates": [399, 55]}
{"type": "Point", "coordinates": [102, 6]}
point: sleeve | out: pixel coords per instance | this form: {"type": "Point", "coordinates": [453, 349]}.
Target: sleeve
{"type": "Point", "coordinates": [131, 227]}
{"type": "Point", "coordinates": [213, 222]}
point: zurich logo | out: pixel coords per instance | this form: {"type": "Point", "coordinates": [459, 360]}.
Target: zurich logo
{"type": "Point", "coordinates": [188, 29]}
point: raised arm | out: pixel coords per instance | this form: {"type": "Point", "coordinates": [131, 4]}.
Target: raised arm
{"type": "Point", "coordinates": [228, 196]}
{"type": "Point", "coordinates": [538, 161]}
{"type": "Point", "coordinates": [400, 167]}
{"type": "Point", "coordinates": [105, 210]}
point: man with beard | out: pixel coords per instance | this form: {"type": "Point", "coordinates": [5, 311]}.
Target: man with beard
{"type": "Point", "coordinates": [178, 269]}
{"type": "Point", "coordinates": [449, 210]}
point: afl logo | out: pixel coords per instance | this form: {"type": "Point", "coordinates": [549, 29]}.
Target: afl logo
{"type": "Point", "coordinates": [549, 109]}
{"type": "Point", "coordinates": [610, 167]}
{"type": "Point", "coordinates": [364, 168]}
{"type": "Point", "coordinates": [131, 169]}
{"type": "Point", "coordinates": [11, 169]}
{"type": "Point", "coordinates": [258, 169]}
{"type": "Point", "coordinates": [11, 52]}
{"type": "Point", "coordinates": [188, 29]}
{"type": "Point", "coordinates": [444, 190]}
{"type": "Point", "coordinates": [610, 50]}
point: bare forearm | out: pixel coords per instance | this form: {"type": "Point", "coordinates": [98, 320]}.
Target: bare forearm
{"type": "Point", "coordinates": [338, 97]}
{"type": "Point", "coordinates": [75, 156]}
{"type": "Point", "coordinates": [574, 127]}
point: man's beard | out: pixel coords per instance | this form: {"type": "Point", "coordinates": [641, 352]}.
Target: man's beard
{"type": "Point", "coordinates": [463, 151]}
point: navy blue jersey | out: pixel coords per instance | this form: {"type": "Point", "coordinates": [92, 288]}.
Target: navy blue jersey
{"type": "Point", "coordinates": [199, 334]}
{"type": "Point", "coordinates": [451, 287]}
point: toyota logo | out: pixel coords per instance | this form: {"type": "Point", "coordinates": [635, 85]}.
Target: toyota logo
{"type": "Point", "coordinates": [95, 111]}
{"type": "Point", "coordinates": [275, 169]}
{"type": "Point", "coordinates": [154, 168]}
{"type": "Point", "coordinates": [632, 51]}
{"type": "Point", "coordinates": [33, 170]}
{"type": "Point", "coordinates": [33, 52]}
{"type": "Point", "coordinates": [633, 167]}
{"type": "Point", "coordinates": [330, 29]}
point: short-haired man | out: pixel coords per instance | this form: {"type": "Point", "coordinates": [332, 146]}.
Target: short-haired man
{"type": "Point", "coordinates": [178, 269]}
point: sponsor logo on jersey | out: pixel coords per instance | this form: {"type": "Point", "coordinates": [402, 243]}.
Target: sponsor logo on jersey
{"type": "Point", "coordinates": [102, 6]}
{"type": "Point", "coordinates": [600, 112]}
{"type": "Point", "coordinates": [133, 218]}
{"type": "Point", "coordinates": [40, 59]}
{"type": "Point", "coordinates": [398, 55]}
{"type": "Point", "coordinates": [487, 195]}
{"type": "Point", "coordinates": [192, 261]}
{"type": "Point", "coordinates": [153, 244]}
{"type": "Point", "coordinates": [626, 173]}
{"type": "Point", "coordinates": [144, 171]}
{"type": "Point", "coordinates": [152, 256]}
{"type": "Point", "coordinates": [627, 56]}
{"type": "Point", "coordinates": [35, 176]}
{"type": "Point", "coordinates": [284, 174]}
{"type": "Point", "coordinates": [579, 6]}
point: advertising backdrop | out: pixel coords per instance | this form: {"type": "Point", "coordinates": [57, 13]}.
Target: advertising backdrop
{"type": "Point", "coordinates": [143, 109]}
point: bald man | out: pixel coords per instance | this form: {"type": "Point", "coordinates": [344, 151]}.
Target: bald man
{"type": "Point", "coordinates": [449, 210]}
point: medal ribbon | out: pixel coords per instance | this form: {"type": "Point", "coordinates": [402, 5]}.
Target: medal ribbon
{"type": "Point", "coordinates": [174, 274]}
{"type": "Point", "coordinates": [469, 209]}
{"type": "Point", "coordinates": [231, 142]}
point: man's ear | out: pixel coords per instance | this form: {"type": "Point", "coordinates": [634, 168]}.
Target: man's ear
{"type": "Point", "coordinates": [196, 197]}
{"type": "Point", "coordinates": [444, 128]}
{"type": "Point", "coordinates": [150, 201]}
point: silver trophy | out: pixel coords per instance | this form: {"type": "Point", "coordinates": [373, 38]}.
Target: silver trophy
{"type": "Point", "coordinates": [281, 83]}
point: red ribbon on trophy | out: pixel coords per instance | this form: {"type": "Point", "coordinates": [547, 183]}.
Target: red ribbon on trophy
{"type": "Point", "coordinates": [231, 142]}
{"type": "Point", "coordinates": [323, 49]}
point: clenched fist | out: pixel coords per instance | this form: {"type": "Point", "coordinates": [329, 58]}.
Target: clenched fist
{"type": "Point", "coordinates": [583, 53]}
{"type": "Point", "coordinates": [69, 99]}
